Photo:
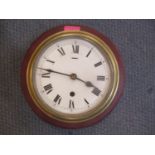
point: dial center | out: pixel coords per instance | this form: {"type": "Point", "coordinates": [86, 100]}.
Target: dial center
{"type": "Point", "coordinates": [73, 76]}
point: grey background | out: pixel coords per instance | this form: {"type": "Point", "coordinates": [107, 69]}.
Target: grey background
{"type": "Point", "coordinates": [135, 113]}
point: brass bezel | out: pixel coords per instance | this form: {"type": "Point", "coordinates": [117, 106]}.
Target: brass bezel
{"type": "Point", "coordinates": [73, 118]}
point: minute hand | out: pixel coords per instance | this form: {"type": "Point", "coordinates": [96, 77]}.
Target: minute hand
{"type": "Point", "coordinates": [87, 83]}
{"type": "Point", "coordinates": [52, 71]}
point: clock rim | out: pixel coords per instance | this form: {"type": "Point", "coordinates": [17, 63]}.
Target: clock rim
{"type": "Point", "coordinates": [99, 117]}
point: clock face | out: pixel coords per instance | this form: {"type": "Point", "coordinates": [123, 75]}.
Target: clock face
{"type": "Point", "coordinates": [71, 75]}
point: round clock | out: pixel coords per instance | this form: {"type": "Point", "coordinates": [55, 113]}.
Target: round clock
{"type": "Point", "coordinates": [72, 76]}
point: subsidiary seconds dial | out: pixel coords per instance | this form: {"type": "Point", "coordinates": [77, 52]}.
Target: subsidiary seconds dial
{"type": "Point", "coordinates": [72, 76]}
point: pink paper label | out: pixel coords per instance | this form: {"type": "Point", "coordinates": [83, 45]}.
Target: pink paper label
{"type": "Point", "coordinates": [71, 28]}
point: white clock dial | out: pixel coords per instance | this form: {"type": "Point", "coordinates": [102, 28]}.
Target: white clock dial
{"type": "Point", "coordinates": [71, 75]}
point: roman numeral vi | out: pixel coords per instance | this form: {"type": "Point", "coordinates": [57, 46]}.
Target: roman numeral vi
{"type": "Point", "coordinates": [71, 104]}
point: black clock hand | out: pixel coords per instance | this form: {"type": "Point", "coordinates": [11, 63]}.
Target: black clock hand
{"type": "Point", "coordinates": [72, 76]}
{"type": "Point", "coordinates": [87, 83]}
{"type": "Point", "coordinates": [52, 71]}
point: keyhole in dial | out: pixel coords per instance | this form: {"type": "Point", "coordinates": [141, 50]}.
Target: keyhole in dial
{"type": "Point", "coordinates": [72, 94]}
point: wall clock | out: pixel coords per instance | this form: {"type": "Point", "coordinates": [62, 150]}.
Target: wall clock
{"type": "Point", "coordinates": [72, 76]}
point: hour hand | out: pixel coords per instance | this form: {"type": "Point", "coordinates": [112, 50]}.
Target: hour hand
{"type": "Point", "coordinates": [95, 90]}
{"type": "Point", "coordinates": [89, 84]}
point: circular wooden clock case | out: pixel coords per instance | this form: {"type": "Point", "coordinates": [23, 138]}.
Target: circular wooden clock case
{"type": "Point", "coordinates": [72, 76]}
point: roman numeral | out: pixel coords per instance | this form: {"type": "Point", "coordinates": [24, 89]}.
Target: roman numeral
{"type": "Point", "coordinates": [71, 104]}
{"type": "Point", "coordinates": [75, 48]}
{"type": "Point", "coordinates": [50, 61]}
{"type": "Point", "coordinates": [48, 88]}
{"type": "Point", "coordinates": [86, 101]}
{"type": "Point", "coordinates": [46, 75]}
{"type": "Point", "coordinates": [98, 64]}
{"type": "Point", "coordinates": [100, 78]}
{"type": "Point", "coordinates": [89, 53]}
{"type": "Point", "coordinates": [57, 99]}
{"type": "Point", "coordinates": [61, 51]}
{"type": "Point", "coordinates": [96, 91]}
